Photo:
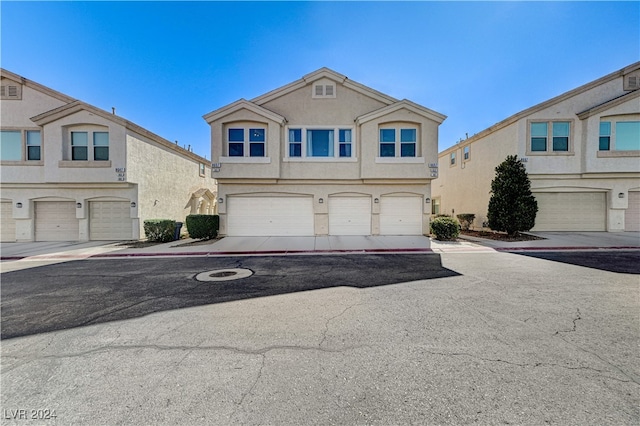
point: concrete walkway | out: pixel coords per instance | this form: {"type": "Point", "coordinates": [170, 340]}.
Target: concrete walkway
{"type": "Point", "coordinates": [318, 245]}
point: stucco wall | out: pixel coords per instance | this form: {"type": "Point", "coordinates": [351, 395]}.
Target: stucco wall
{"type": "Point", "coordinates": [165, 181]}
{"type": "Point", "coordinates": [17, 113]}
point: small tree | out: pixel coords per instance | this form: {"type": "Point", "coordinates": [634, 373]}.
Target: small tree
{"type": "Point", "coordinates": [512, 207]}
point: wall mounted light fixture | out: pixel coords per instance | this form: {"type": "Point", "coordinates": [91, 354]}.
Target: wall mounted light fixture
{"type": "Point", "coordinates": [427, 200]}
{"type": "Point", "coordinates": [19, 205]}
{"type": "Point", "coordinates": [79, 205]}
{"type": "Point", "coordinates": [621, 195]}
{"type": "Point", "coordinates": [375, 200]}
{"type": "Point", "coordinates": [133, 204]}
{"type": "Point", "coordinates": [320, 200]}
{"type": "Point", "coordinates": [220, 200]}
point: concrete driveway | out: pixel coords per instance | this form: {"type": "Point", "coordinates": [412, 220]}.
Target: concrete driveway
{"type": "Point", "coordinates": [503, 339]}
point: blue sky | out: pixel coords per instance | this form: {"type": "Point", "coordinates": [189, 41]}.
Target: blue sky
{"type": "Point", "coordinates": [164, 65]}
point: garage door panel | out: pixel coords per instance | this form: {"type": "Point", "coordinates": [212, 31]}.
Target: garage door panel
{"type": "Point", "coordinates": [270, 216]}
{"type": "Point", "coordinates": [571, 211]}
{"type": "Point", "coordinates": [632, 214]}
{"type": "Point", "coordinates": [56, 221]}
{"type": "Point", "coordinates": [7, 223]}
{"type": "Point", "coordinates": [110, 220]}
{"type": "Point", "coordinates": [401, 215]}
{"type": "Point", "coordinates": [350, 215]}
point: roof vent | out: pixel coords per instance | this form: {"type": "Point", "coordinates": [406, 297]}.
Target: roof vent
{"type": "Point", "coordinates": [632, 81]}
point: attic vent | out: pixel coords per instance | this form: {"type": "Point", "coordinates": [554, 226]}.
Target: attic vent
{"type": "Point", "coordinates": [10, 92]}
{"type": "Point", "coordinates": [324, 91]}
{"type": "Point", "coordinates": [632, 81]}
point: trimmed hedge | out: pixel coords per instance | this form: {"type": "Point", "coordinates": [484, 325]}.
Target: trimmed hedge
{"type": "Point", "coordinates": [445, 228]}
{"type": "Point", "coordinates": [203, 226]}
{"type": "Point", "coordinates": [159, 230]}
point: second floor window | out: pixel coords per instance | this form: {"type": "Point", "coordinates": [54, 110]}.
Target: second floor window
{"type": "Point", "coordinates": [89, 146]}
{"type": "Point", "coordinates": [550, 136]}
{"type": "Point", "coordinates": [320, 142]}
{"type": "Point", "coordinates": [246, 142]}
{"type": "Point", "coordinates": [20, 145]}
{"type": "Point", "coordinates": [398, 142]}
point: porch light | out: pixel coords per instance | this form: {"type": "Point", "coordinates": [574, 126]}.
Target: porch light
{"type": "Point", "coordinates": [375, 200]}
{"type": "Point", "coordinates": [427, 200]}
{"type": "Point", "coordinates": [133, 204]}
{"type": "Point", "coordinates": [320, 200]}
{"type": "Point", "coordinates": [621, 195]}
{"type": "Point", "coordinates": [19, 205]}
{"type": "Point", "coordinates": [79, 205]}
{"type": "Point", "coordinates": [220, 200]}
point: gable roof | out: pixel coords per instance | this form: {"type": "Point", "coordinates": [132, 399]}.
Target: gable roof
{"type": "Point", "coordinates": [546, 104]}
{"type": "Point", "coordinates": [240, 105]}
{"type": "Point", "coordinates": [403, 104]}
{"type": "Point", "coordinates": [35, 86]}
{"type": "Point", "coordinates": [608, 104]}
{"type": "Point", "coordinates": [77, 106]}
{"type": "Point", "coordinates": [321, 73]}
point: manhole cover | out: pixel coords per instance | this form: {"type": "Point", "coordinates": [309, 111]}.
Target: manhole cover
{"type": "Point", "coordinates": [224, 274]}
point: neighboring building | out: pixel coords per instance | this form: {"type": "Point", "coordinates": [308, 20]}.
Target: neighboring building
{"type": "Point", "coordinates": [324, 155]}
{"type": "Point", "coordinates": [71, 171]}
{"type": "Point", "coordinates": [581, 150]}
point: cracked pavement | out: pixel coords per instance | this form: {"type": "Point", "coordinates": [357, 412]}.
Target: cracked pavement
{"type": "Point", "coordinates": [503, 339]}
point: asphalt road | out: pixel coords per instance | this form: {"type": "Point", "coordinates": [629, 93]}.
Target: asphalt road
{"type": "Point", "coordinates": [477, 338]}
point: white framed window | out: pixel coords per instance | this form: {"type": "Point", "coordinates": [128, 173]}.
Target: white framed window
{"type": "Point", "coordinates": [398, 141]}
{"type": "Point", "coordinates": [201, 169]}
{"type": "Point", "coordinates": [320, 142]}
{"type": "Point", "coordinates": [452, 159]}
{"type": "Point", "coordinates": [20, 145]}
{"type": "Point", "coordinates": [466, 153]}
{"type": "Point", "coordinates": [246, 141]}
{"type": "Point", "coordinates": [549, 136]}
{"type": "Point", "coordinates": [89, 145]}
{"type": "Point", "coordinates": [323, 90]}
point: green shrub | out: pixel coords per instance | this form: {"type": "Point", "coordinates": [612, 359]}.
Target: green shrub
{"type": "Point", "coordinates": [466, 219]}
{"type": "Point", "coordinates": [203, 226]}
{"type": "Point", "coordinates": [445, 228]}
{"type": "Point", "coordinates": [159, 230]}
{"type": "Point", "coordinates": [512, 207]}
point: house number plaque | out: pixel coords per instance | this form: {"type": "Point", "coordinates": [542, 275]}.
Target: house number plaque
{"type": "Point", "coordinates": [121, 172]}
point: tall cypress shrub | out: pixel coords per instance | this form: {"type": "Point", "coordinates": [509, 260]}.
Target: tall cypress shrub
{"type": "Point", "coordinates": [512, 207]}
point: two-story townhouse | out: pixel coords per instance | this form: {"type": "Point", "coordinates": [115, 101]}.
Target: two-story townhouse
{"type": "Point", "coordinates": [324, 155]}
{"type": "Point", "coordinates": [581, 150]}
{"type": "Point", "coordinates": [73, 172]}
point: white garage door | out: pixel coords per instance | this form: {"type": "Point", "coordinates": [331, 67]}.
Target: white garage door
{"type": "Point", "coordinates": [269, 216]}
{"type": "Point", "coordinates": [350, 215]}
{"type": "Point", "coordinates": [110, 220]}
{"type": "Point", "coordinates": [632, 214]}
{"type": "Point", "coordinates": [400, 215]}
{"type": "Point", "coordinates": [571, 211]}
{"type": "Point", "coordinates": [56, 221]}
{"type": "Point", "coordinates": [7, 223]}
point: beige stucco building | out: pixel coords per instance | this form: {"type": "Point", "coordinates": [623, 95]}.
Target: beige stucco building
{"type": "Point", "coordinates": [73, 172]}
{"type": "Point", "coordinates": [581, 150]}
{"type": "Point", "coordinates": [324, 155]}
